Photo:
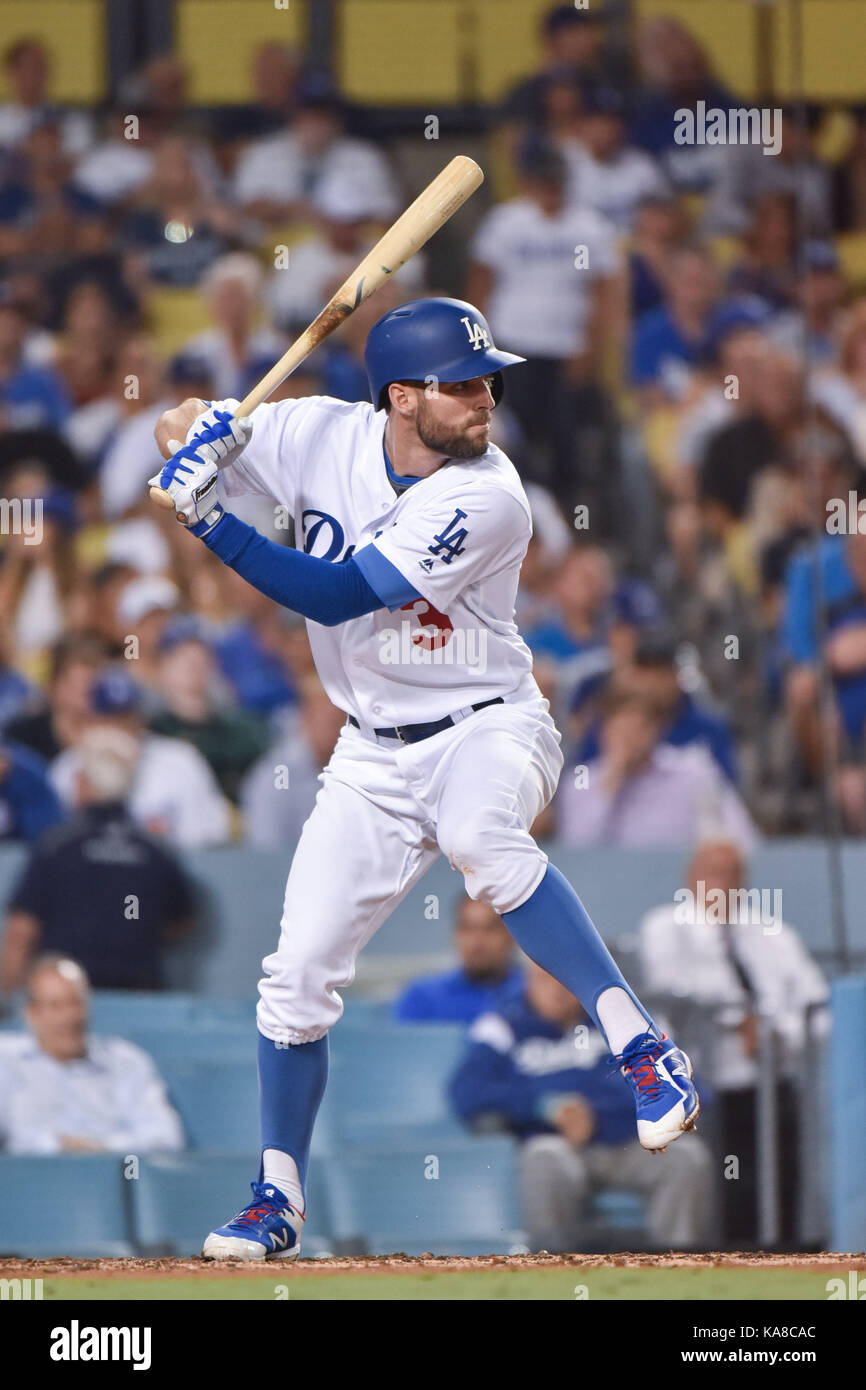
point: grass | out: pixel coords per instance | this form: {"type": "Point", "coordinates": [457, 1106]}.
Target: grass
{"type": "Point", "coordinates": [490, 1285]}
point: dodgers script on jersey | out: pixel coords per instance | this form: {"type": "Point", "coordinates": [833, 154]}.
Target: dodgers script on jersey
{"type": "Point", "coordinates": [457, 537]}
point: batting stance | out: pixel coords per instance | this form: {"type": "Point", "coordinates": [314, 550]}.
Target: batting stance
{"type": "Point", "coordinates": [410, 528]}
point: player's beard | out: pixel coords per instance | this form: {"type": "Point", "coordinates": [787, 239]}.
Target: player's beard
{"type": "Point", "coordinates": [453, 444]}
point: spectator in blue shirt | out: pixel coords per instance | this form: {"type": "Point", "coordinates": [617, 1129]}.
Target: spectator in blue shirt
{"type": "Point", "coordinates": [487, 977]}
{"type": "Point", "coordinates": [540, 1070]}
{"type": "Point", "coordinates": [670, 343]}
{"type": "Point", "coordinates": [842, 564]}
{"type": "Point", "coordinates": [28, 802]}
{"type": "Point", "coordinates": [30, 397]}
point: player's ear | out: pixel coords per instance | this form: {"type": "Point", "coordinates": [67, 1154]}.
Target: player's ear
{"type": "Point", "coordinates": [402, 398]}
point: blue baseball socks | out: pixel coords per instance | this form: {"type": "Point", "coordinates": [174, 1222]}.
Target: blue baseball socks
{"type": "Point", "coordinates": [555, 930]}
{"type": "Point", "coordinates": [292, 1081]}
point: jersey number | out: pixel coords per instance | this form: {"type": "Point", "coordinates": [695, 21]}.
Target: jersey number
{"type": "Point", "coordinates": [441, 626]}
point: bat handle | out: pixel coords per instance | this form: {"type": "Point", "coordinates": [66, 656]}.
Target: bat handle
{"type": "Point", "coordinates": [159, 495]}
{"type": "Point", "coordinates": [161, 498]}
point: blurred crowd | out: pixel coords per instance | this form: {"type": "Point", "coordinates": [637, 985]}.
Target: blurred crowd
{"type": "Point", "coordinates": [693, 400]}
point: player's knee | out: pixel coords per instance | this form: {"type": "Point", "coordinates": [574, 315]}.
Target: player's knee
{"type": "Point", "coordinates": [476, 849]}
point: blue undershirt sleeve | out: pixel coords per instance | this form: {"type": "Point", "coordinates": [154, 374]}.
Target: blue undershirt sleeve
{"type": "Point", "coordinates": [325, 592]}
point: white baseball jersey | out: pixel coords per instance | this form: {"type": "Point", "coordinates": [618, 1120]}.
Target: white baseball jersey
{"type": "Point", "coordinates": [540, 302]}
{"type": "Point", "coordinates": [457, 538]}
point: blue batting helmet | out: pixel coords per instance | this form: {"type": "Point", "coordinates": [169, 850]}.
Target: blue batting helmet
{"type": "Point", "coordinates": [446, 339]}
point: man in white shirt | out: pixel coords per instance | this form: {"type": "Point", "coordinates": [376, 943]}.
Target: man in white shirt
{"type": "Point", "coordinates": [548, 275]}
{"type": "Point", "coordinates": [729, 952]}
{"type": "Point", "coordinates": [62, 1091]}
{"type": "Point", "coordinates": [174, 793]}
{"type": "Point", "coordinates": [604, 173]}
{"type": "Point", "coordinates": [278, 175]}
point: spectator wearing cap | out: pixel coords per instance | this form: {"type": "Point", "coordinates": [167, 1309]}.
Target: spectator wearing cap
{"type": "Point", "coordinates": [594, 626]}
{"type": "Point", "coordinates": [559, 315]}
{"type": "Point", "coordinates": [99, 887]}
{"type": "Point", "coordinates": [278, 792]}
{"type": "Point", "coordinates": [174, 794]}
{"type": "Point", "coordinates": [145, 605]}
{"type": "Point", "coordinates": [188, 688]}
{"type": "Point", "coordinates": [813, 324]}
{"type": "Point", "coordinates": [767, 267]}
{"type": "Point", "coordinates": [31, 397]}
{"type": "Point", "coordinates": [278, 176]}
{"type": "Point", "coordinates": [27, 69]}
{"type": "Point", "coordinates": [65, 709]}
{"type": "Point", "coordinates": [687, 717]}
{"type": "Point", "coordinates": [63, 1090]}
{"type": "Point", "coordinates": [572, 47]}
{"type": "Point", "coordinates": [238, 350]}
{"type": "Point", "coordinates": [641, 793]}
{"type": "Point", "coordinates": [317, 267]}
{"type": "Point", "coordinates": [29, 804]}
{"type": "Point", "coordinates": [604, 172]}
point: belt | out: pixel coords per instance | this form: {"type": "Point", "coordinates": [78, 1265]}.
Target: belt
{"type": "Point", "coordinates": [414, 733]}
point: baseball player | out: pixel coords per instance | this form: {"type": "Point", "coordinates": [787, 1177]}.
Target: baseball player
{"type": "Point", "coordinates": [410, 529]}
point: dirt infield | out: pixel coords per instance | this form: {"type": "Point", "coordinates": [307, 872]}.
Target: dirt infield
{"type": "Point", "coordinates": [173, 1268]}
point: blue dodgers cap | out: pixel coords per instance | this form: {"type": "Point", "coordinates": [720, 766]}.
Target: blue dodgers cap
{"type": "Point", "coordinates": [446, 339]}
{"type": "Point", "coordinates": [115, 692]}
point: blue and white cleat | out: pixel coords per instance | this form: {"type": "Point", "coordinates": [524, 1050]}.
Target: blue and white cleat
{"type": "Point", "coordinates": [267, 1229]}
{"type": "Point", "coordinates": [660, 1075]}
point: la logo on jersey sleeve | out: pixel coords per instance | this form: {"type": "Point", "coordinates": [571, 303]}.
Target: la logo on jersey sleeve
{"type": "Point", "coordinates": [449, 542]}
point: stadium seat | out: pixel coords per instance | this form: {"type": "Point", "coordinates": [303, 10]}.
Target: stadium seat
{"type": "Point", "coordinates": [179, 1198]}
{"type": "Point", "coordinates": [208, 1042]}
{"type": "Point", "coordinates": [218, 1101]}
{"type": "Point", "coordinates": [69, 1204]}
{"type": "Point", "coordinates": [119, 1011]}
{"type": "Point", "coordinates": [392, 1079]}
{"type": "Point", "coordinates": [458, 1200]}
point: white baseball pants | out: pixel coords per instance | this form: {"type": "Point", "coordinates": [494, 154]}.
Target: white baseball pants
{"type": "Point", "coordinates": [384, 811]}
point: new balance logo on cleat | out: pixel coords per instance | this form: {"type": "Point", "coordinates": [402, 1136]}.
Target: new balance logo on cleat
{"type": "Point", "coordinates": [267, 1228]}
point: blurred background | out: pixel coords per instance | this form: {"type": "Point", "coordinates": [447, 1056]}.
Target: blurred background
{"type": "Point", "coordinates": [183, 184]}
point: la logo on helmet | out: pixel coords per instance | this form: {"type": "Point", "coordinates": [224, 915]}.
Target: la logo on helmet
{"type": "Point", "coordinates": [477, 336]}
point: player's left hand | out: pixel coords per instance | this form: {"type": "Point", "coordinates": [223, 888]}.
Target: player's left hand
{"type": "Point", "coordinates": [190, 479]}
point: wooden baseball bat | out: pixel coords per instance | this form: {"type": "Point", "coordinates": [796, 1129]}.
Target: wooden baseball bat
{"type": "Point", "coordinates": [430, 211]}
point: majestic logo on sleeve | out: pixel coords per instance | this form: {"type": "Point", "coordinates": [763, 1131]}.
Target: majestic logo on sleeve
{"type": "Point", "coordinates": [449, 542]}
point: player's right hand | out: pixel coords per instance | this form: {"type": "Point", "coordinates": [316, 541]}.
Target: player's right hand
{"type": "Point", "coordinates": [218, 435]}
